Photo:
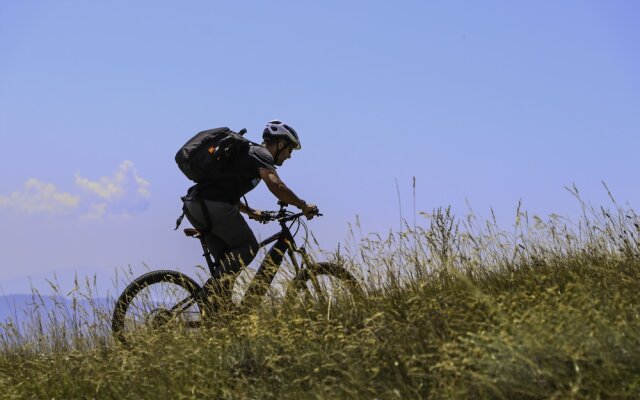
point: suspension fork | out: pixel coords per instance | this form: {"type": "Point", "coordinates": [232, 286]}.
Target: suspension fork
{"type": "Point", "coordinates": [306, 260]}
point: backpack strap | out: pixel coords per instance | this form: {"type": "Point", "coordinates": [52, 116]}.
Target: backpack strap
{"type": "Point", "coordinates": [179, 220]}
{"type": "Point", "coordinates": [181, 217]}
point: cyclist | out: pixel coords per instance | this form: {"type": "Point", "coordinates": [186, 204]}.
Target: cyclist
{"type": "Point", "coordinates": [214, 207]}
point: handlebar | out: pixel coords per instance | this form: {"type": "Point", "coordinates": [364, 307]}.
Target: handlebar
{"type": "Point", "coordinates": [283, 215]}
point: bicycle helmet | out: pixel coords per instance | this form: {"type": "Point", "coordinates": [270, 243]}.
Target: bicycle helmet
{"type": "Point", "coordinates": [277, 129]}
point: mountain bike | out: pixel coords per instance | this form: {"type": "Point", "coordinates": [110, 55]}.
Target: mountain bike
{"type": "Point", "coordinates": [161, 298]}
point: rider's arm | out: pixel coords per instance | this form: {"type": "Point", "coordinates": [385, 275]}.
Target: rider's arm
{"type": "Point", "coordinates": [250, 211]}
{"type": "Point", "coordinates": [243, 208]}
{"type": "Point", "coordinates": [280, 190]}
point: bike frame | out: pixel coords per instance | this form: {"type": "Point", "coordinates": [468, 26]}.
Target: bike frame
{"type": "Point", "coordinates": [284, 244]}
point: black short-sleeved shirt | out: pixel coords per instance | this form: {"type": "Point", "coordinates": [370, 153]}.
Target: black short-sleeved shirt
{"type": "Point", "coordinates": [244, 176]}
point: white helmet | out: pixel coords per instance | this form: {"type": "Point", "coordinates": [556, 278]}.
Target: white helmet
{"type": "Point", "coordinates": [277, 129]}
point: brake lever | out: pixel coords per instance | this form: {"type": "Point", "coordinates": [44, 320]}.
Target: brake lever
{"type": "Point", "coordinates": [267, 216]}
{"type": "Point", "coordinates": [318, 214]}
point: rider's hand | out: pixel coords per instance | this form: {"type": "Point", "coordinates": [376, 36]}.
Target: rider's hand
{"type": "Point", "coordinates": [309, 210]}
{"type": "Point", "coordinates": [255, 214]}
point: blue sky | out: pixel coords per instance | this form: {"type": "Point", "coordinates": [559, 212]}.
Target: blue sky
{"type": "Point", "coordinates": [488, 102]}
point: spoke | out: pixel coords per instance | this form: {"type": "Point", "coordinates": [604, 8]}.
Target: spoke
{"type": "Point", "coordinates": [161, 304]}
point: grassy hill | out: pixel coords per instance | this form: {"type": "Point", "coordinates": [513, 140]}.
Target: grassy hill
{"type": "Point", "coordinates": [547, 309]}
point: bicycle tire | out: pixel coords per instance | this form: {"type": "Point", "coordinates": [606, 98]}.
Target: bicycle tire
{"type": "Point", "coordinates": [306, 280]}
{"type": "Point", "coordinates": [172, 278]}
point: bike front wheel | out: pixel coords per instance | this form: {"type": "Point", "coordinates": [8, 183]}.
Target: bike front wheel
{"type": "Point", "coordinates": [324, 282]}
{"type": "Point", "coordinates": [157, 300]}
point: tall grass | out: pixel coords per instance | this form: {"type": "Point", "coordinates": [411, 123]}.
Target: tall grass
{"type": "Point", "coordinates": [455, 308]}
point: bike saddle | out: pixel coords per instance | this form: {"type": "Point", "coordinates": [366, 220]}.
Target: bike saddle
{"type": "Point", "coordinates": [192, 232]}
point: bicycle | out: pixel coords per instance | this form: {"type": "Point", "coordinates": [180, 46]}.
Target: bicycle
{"type": "Point", "coordinates": [160, 298]}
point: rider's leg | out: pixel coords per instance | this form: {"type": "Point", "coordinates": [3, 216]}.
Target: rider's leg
{"type": "Point", "coordinates": [241, 250]}
{"type": "Point", "coordinates": [229, 239]}
{"type": "Point", "coordinates": [240, 243]}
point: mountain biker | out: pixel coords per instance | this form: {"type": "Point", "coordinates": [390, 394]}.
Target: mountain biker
{"type": "Point", "coordinates": [214, 207]}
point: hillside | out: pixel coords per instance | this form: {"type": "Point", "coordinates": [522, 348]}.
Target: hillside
{"type": "Point", "coordinates": [449, 312]}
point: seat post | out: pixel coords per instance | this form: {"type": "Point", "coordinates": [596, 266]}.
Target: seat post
{"type": "Point", "coordinates": [205, 250]}
{"type": "Point", "coordinates": [207, 255]}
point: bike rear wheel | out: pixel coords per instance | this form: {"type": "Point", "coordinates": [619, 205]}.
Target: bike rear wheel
{"type": "Point", "coordinates": [157, 300]}
{"type": "Point", "coordinates": [324, 282]}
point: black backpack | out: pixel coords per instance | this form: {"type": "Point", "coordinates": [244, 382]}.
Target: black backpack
{"type": "Point", "coordinates": [206, 156]}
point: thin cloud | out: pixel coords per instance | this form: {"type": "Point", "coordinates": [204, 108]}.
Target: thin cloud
{"type": "Point", "coordinates": [40, 197]}
{"type": "Point", "coordinates": [121, 194]}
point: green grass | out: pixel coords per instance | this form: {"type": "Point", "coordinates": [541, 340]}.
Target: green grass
{"type": "Point", "coordinates": [456, 310]}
